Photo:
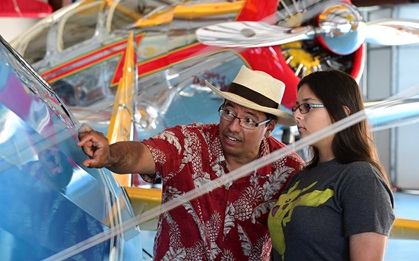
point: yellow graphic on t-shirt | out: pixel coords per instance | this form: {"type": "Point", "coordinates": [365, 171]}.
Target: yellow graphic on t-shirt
{"type": "Point", "coordinates": [282, 211]}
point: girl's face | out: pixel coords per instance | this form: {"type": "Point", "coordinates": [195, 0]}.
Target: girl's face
{"type": "Point", "coordinates": [313, 120]}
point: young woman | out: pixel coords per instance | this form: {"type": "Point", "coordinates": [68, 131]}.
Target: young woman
{"type": "Point", "coordinates": [340, 207]}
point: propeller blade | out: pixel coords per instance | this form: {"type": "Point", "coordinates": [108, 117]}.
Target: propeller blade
{"type": "Point", "coordinates": [392, 32]}
{"type": "Point", "coordinates": [251, 34]}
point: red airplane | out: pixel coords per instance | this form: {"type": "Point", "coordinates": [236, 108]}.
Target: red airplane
{"type": "Point", "coordinates": [79, 50]}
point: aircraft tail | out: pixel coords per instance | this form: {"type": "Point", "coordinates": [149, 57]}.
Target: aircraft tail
{"type": "Point", "coordinates": [121, 124]}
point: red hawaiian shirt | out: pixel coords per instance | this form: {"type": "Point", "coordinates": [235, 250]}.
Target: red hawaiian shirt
{"type": "Point", "coordinates": [228, 223]}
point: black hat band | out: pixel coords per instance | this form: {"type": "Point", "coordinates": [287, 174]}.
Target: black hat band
{"type": "Point", "coordinates": [251, 95]}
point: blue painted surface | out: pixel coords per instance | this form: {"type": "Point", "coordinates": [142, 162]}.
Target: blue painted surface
{"type": "Point", "coordinates": [48, 201]}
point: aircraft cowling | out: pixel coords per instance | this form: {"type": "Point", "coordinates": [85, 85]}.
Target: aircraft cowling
{"type": "Point", "coordinates": [277, 67]}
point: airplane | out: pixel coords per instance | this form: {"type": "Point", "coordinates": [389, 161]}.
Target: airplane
{"type": "Point", "coordinates": [49, 202]}
{"type": "Point", "coordinates": [340, 28]}
{"type": "Point", "coordinates": [78, 48]}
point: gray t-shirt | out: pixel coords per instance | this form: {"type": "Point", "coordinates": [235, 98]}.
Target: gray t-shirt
{"type": "Point", "coordinates": [321, 207]}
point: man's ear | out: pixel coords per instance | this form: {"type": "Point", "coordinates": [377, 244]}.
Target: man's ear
{"type": "Point", "coordinates": [346, 110]}
{"type": "Point", "coordinates": [271, 127]}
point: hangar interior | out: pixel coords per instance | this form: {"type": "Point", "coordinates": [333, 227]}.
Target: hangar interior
{"type": "Point", "coordinates": [388, 71]}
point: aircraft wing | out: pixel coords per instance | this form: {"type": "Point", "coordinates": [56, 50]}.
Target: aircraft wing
{"type": "Point", "coordinates": [48, 201]}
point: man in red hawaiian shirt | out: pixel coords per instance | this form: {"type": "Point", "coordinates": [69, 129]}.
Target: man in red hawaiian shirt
{"type": "Point", "coordinates": [230, 222]}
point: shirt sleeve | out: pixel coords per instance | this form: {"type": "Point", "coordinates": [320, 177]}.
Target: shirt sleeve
{"type": "Point", "coordinates": [367, 202]}
{"type": "Point", "coordinates": [166, 149]}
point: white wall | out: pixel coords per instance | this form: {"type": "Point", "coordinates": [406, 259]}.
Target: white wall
{"type": "Point", "coordinates": [388, 71]}
{"type": "Point", "coordinates": [11, 27]}
{"type": "Point", "coordinates": [407, 153]}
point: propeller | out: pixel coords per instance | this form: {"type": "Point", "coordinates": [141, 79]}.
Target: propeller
{"type": "Point", "coordinates": [340, 26]}
{"type": "Point", "coordinates": [392, 32]}
{"type": "Point", "coordinates": [251, 34]}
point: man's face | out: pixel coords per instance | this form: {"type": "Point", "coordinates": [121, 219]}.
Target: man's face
{"type": "Point", "coordinates": [239, 142]}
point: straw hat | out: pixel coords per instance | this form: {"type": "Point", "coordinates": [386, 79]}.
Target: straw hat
{"type": "Point", "coordinates": [259, 91]}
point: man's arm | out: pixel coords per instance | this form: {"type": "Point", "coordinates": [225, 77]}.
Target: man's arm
{"type": "Point", "coordinates": [120, 157]}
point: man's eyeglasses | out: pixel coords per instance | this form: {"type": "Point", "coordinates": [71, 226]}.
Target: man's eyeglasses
{"type": "Point", "coordinates": [306, 107]}
{"type": "Point", "coordinates": [247, 123]}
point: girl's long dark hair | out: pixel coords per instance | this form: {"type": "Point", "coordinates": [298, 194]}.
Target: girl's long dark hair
{"type": "Point", "coordinates": [337, 89]}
